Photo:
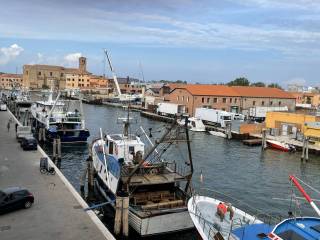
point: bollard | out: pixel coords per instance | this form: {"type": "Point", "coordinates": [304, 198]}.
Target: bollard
{"type": "Point", "coordinates": [307, 149]}
{"type": "Point", "coordinates": [117, 218]}
{"type": "Point", "coordinates": [264, 140]}
{"type": "Point", "coordinates": [303, 148]}
{"type": "Point", "coordinates": [125, 216]}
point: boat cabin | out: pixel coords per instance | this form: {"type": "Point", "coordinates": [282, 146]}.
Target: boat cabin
{"type": "Point", "coordinates": [129, 148]}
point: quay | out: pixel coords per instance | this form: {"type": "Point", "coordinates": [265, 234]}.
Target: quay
{"type": "Point", "coordinates": [58, 210]}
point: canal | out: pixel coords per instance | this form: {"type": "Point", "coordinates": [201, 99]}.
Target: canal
{"type": "Point", "coordinates": [258, 179]}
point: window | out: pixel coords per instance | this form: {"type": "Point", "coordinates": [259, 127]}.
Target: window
{"type": "Point", "coordinates": [27, 72]}
{"type": "Point", "coordinates": [235, 100]}
{"type": "Point", "coordinates": [39, 73]}
{"type": "Point", "coordinates": [230, 100]}
{"type": "Point", "coordinates": [203, 100]}
{"type": "Point", "coordinates": [111, 148]}
{"type": "Point", "coordinates": [61, 75]}
{"type": "Point", "coordinates": [182, 99]}
{"type": "Point", "coordinates": [187, 99]}
{"type": "Point", "coordinates": [279, 103]}
{"type": "Point", "coordinates": [215, 100]}
{"type": "Point", "coordinates": [254, 103]}
{"type": "Point", "coordinates": [262, 103]}
{"type": "Point", "coordinates": [208, 100]}
{"type": "Point", "coordinates": [271, 103]}
{"type": "Point", "coordinates": [50, 74]}
{"type": "Point", "coordinates": [178, 98]}
{"type": "Point", "coordinates": [224, 100]}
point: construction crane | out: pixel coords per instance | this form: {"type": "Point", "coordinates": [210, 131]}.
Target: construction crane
{"type": "Point", "coordinates": [113, 74]}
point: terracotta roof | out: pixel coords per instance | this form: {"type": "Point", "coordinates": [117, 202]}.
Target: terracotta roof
{"type": "Point", "coordinates": [209, 90]}
{"type": "Point", "coordinates": [223, 90]}
{"type": "Point", "coordinates": [11, 75]}
{"type": "Point", "coordinates": [262, 92]}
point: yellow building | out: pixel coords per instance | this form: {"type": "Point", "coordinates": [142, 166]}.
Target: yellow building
{"type": "Point", "coordinates": [312, 130]}
{"type": "Point", "coordinates": [289, 123]}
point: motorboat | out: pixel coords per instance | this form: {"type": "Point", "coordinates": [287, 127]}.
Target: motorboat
{"type": "Point", "coordinates": [157, 201]}
{"type": "Point", "coordinates": [203, 212]}
{"type": "Point", "coordinates": [282, 146]}
{"type": "Point", "coordinates": [58, 120]}
{"type": "Point", "coordinates": [194, 124]}
{"type": "Point", "coordinates": [218, 134]}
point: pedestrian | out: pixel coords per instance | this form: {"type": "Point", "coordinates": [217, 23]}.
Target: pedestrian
{"type": "Point", "coordinates": [8, 126]}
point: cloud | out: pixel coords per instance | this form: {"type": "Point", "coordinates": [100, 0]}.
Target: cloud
{"type": "Point", "coordinates": [72, 58]}
{"type": "Point", "coordinates": [8, 54]}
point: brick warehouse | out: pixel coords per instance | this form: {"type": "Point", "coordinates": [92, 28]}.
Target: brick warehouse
{"type": "Point", "coordinates": [233, 99]}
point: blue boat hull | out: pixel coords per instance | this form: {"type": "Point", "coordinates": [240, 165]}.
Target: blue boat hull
{"type": "Point", "coordinates": [70, 136]}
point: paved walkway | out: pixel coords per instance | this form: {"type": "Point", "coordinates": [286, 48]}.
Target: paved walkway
{"type": "Point", "coordinates": [56, 213]}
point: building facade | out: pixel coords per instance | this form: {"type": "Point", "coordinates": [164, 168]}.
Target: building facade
{"type": "Point", "coordinates": [43, 76]}
{"type": "Point", "coordinates": [9, 80]}
{"type": "Point", "coordinates": [232, 99]}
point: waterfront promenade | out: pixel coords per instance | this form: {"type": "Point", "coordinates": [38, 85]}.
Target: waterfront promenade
{"type": "Point", "coordinates": [57, 212]}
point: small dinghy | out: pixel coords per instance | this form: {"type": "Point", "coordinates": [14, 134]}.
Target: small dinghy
{"type": "Point", "coordinates": [218, 134]}
{"type": "Point", "coordinates": [203, 212]}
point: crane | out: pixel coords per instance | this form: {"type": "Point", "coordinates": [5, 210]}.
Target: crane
{"type": "Point", "coordinates": [113, 74]}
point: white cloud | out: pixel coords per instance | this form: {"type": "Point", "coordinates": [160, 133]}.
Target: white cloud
{"type": "Point", "coordinates": [72, 58]}
{"type": "Point", "coordinates": [8, 54]}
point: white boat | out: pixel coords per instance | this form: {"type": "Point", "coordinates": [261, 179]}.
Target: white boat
{"type": "Point", "coordinates": [53, 115]}
{"type": "Point", "coordinates": [157, 204]}
{"type": "Point", "coordinates": [218, 134]}
{"type": "Point", "coordinates": [194, 124]}
{"type": "Point", "coordinates": [203, 212]}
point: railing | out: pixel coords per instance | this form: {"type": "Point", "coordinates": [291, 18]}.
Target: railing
{"type": "Point", "coordinates": [211, 229]}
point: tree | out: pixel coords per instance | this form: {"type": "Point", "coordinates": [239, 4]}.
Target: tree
{"type": "Point", "coordinates": [258, 84]}
{"type": "Point", "coordinates": [274, 85]}
{"type": "Point", "coordinates": [241, 81]}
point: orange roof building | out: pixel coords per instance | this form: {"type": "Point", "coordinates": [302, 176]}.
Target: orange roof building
{"type": "Point", "coordinates": [233, 99]}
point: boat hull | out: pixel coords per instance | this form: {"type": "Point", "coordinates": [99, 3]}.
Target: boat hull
{"type": "Point", "coordinates": [160, 224]}
{"type": "Point", "coordinates": [278, 146]}
{"type": "Point", "coordinates": [73, 136]}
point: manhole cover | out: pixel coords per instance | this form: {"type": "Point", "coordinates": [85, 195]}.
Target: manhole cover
{"type": "Point", "coordinates": [5, 228]}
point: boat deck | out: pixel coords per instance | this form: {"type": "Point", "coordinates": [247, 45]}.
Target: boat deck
{"type": "Point", "coordinates": [150, 179]}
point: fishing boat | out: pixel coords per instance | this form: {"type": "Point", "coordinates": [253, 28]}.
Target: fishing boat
{"type": "Point", "coordinates": [203, 212]}
{"type": "Point", "coordinates": [58, 120]}
{"type": "Point", "coordinates": [282, 146]}
{"type": "Point", "coordinates": [194, 124]}
{"type": "Point", "coordinates": [218, 134]}
{"type": "Point", "coordinates": [157, 201]}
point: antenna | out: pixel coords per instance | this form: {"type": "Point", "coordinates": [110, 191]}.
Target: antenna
{"type": "Point", "coordinates": [141, 69]}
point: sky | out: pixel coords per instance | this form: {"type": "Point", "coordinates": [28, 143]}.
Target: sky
{"type": "Point", "coordinates": [206, 41]}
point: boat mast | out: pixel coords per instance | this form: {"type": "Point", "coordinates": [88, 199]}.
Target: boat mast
{"type": "Point", "coordinates": [113, 73]}
{"type": "Point", "coordinates": [303, 192]}
{"type": "Point", "coordinates": [189, 177]}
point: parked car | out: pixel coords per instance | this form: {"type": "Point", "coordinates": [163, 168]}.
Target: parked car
{"type": "Point", "coordinates": [3, 106]}
{"type": "Point", "coordinates": [15, 198]}
{"type": "Point", "coordinates": [29, 143]}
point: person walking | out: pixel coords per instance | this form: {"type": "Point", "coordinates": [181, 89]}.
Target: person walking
{"type": "Point", "coordinates": [8, 125]}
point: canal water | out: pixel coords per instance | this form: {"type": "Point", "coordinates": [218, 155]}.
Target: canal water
{"type": "Point", "coordinates": [258, 179]}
